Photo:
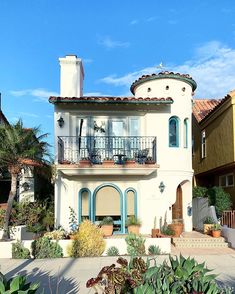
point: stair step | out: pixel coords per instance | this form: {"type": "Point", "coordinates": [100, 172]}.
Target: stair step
{"type": "Point", "coordinates": [201, 245]}
{"type": "Point", "coordinates": [199, 240]}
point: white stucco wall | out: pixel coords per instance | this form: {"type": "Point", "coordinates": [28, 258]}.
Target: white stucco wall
{"type": "Point", "coordinates": [175, 162]}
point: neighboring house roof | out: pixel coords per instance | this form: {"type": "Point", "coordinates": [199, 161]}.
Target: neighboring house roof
{"type": "Point", "coordinates": [202, 107]}
{"type": "Point", "coordinates": [109, 100]}
{"type": "Point", "coordinates": [3, 119]}
{"type": "Point", "coordinates": [164, 75]}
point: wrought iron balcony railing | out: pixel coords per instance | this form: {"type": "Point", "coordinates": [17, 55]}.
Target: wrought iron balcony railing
{"type": "Point", "coordinates": [99, 148]}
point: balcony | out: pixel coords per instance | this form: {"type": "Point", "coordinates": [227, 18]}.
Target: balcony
{"type": "Point", "coordinates": [107, 151]}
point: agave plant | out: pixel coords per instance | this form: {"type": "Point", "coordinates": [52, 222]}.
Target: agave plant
{"type": "Point", "coordinates": [17, 284]}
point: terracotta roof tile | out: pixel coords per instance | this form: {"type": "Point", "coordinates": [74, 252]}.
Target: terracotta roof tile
{"type": "Point", "coordinates": [110, 99]}
{"type": "Point", "coordinates": [164, 74]}
{"type": "Point", "coordinates": [203, 107]}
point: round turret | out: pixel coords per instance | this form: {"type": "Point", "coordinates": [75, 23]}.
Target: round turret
{"type": "Point", "coordinates": [164, 84]}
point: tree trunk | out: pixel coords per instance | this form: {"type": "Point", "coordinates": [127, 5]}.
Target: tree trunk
{"type": "Point", "coordinates": [12, 194]}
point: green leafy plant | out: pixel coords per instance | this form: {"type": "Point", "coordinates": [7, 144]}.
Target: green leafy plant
{"type": "Point", "coordinates": [73, 221]}
{"type": "Point", "coordinates": [45, 248]}
{"type": "Point", "coordinates": [199, 192]}
{"type": "Point", "coordinates": [220, 199]}
{"type": "Point", "coordinates": [135, 245]}
{"type": "Point", "coordinates": [208, 220]}
{"type": "Point", "coordinates": [216, 227]}
{"type": "Point", "coordinates": [19, 251]}
{"type": "Point", "coordinates": [16, 285]}
{"type": "Point", "coordinates": [133, 221]}
{"type": "Point", "coordinates": [165, 230]}
{"type": "Point", "coordinates": [154, 250]}
{"type": "Point", "coordinates": [90, 240]}
{"type": "Point", "coordinates": [180, 275]}
{"type": "Point", "coordinates": [56, 234]}
{"type": "Point", "coordinates": [2, 214]}
{"type": "Point", "coordinates": [37, 216]}
{"type": "Point", "coordinates": [106, 221]}
{"type": "Point", "coordinates": [112, 251]}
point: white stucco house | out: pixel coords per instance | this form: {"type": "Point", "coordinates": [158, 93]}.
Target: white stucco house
{"type": "Point", "coordinates": [148, 138]}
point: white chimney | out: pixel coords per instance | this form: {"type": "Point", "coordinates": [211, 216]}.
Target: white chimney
{"type": "Point", "coordinates": [71, 76]}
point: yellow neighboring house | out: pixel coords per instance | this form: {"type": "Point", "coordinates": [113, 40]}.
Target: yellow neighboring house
{"type": "Point", "coordinates": [213, 126]}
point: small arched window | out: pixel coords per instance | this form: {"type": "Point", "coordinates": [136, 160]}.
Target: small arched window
{"type": "Point", "coordinates": [186, 133]}
{"type": "Point", "coordinates": [84, 205]}
{"type": "Point", "coordinates": [173, 132]}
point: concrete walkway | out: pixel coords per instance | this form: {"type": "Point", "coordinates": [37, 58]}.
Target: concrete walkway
{"type": "Point", "coordinates": [70, 275]}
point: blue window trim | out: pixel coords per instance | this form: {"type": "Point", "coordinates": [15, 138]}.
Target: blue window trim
{"type": "Point", "coordinates": [121, 203]}
{"type": "Point", "coordinates": [80, 204]}
{"type": "Point", "coordinates": [174, 118]}
{"type": "Point", "coordinates": [186, 133]}
{"type": "Point", "coordinates": [135, 202]}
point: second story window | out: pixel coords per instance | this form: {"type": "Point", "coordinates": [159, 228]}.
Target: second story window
{"type": "Point", "coordinates": [186, 133]}
{"type": "Point", "coordinates": [203, 144]}
{"type": "Point", "coordinates": [174, 132]}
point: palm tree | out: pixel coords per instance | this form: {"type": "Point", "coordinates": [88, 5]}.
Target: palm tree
{"type": "Point", "coordinates": [19, 148]}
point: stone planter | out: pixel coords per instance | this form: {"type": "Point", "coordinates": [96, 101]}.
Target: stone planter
{"type": "Point", "coordinates": [207, 228]}
{"type": "Point", "coordinates": [155, 233]}
{"type": "Point", "coordinates": [177, 229]}
{"type": "Point", "coordinates": [134, 229]}
{"type": "Point", "coordinates": [216, 234]}
{"type": "Point", "coordinates": [107, 230]}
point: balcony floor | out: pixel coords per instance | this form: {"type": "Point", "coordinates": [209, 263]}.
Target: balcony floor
{"type": "Point", "coordinates": [77, 170]}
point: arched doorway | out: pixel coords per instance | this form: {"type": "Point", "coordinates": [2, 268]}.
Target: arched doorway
{"type": "Point", "coordinates": [108, 202]}
{"type": "Point", "coordinates": [177, 207]}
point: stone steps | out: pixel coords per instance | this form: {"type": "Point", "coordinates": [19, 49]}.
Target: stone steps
{"type": "Point", "coordinates": [205, 242]}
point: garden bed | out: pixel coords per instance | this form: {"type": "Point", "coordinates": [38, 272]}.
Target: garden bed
{"type": "Point", "coordinates": [164, 245]}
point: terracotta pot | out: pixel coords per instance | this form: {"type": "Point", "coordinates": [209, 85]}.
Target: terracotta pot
{"type": "Point", "coordinates": [207, 228]}
{"type": "Point", "coordinates": [177, 229]}
{"type": "Point", "coordinates": [107, 230]}
{"type": "Point", "coordinates": [72, 237]}
{"type": "Point", "coordinates": [216, 234]}
{"type": "Point", "coordinates": [130, 163]}
{"type": "Point", "coordinates": [106, 163]}
{"type": "Point", "coordinates": [134, 229]}
{"type": "Point", "coordinates": [84, 163]}
{"type": "Point", "coordinates": [155, 233]}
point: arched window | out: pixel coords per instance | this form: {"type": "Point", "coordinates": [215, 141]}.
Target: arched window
{"type": "Point", "coordinates": [186, 133]}
{"type": "Point", "coordinates": [130, 202]}
{"type": "Point", "coordinates": [108, 201]}
{"type": "Point", "coordinates": [173, 132]}
{"type": "Point", "coordinates": [84, 204]}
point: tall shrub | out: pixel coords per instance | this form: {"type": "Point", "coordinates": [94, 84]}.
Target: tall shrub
{"type": "Point", "coordinates": [89, 239]}
{"type": "Point", "coordinates": [199, 192]}
{"type": "Point", "coordinates": [220, 199]}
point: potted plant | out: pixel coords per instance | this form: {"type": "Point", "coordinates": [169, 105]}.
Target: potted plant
{"type": "Point", "coordinates": [177, 228]}
{"type": "Point", "coordinates": [155, 231]}
{"type": "Point", "coordinates": [149, 160]}
{"type": "Point", "coordinates": [166, 231]}
{"type": "Point", "coordinates": [108, 162]}
{"type": "Point", "coordinates": [133, 225]}
{"type": "Point", "coordinates": [216, 231]}
{"type": "Point", "coordinates": [107, 226]}
{"type": "Point", "coordinates": [129, 162]}
{"type": "Point", "coordinates": [207, 225]}
{"type": "Point", "coordinates": [84, 162]}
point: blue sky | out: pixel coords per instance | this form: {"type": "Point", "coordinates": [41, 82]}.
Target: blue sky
{"type": "Point", "coordinates": [117, 40]}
